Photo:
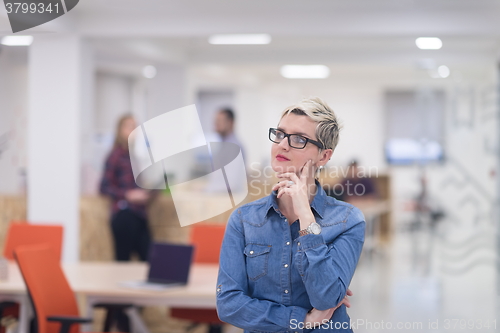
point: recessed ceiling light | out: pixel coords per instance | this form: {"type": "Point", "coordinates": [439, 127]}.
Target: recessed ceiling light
{"type": "Point", "coordinates": [429, 43]}
{"type": "Point", "coordinates": [305, 71]}
{"type": "Point", "coordinates": [443, 71]}
{"type": "Point", "coordinates": [17, 40]}
{"type": "Point", "coordinates": [149, 72]}
{"type": "Point", "coordinates": [240, 39]}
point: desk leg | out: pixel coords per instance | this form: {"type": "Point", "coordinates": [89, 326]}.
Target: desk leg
{"type": "Point", "coordinates": [89, 313]}
{"type": "Point", "coordinates": [138, 325]}
{"type": "Point", "coordinates": [25, 314]}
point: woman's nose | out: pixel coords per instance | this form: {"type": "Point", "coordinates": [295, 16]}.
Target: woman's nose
{"type": "Point", "coordinates": [284, 144]}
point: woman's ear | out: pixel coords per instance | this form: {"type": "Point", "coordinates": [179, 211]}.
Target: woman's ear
{"type": "Point", "coordinates": [326, 154]}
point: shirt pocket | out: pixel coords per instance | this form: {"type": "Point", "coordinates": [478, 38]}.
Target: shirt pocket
{"type": "Point", "coordinates": [257, 256]}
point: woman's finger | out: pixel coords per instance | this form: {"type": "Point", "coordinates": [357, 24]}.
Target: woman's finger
{"type": "Point", "coordinates": [283, 183]}
{"type": "Point", "coordinates": [290, 175]}
{"type": "Point", "coordinates": [282, 191]}
{"type": "Point", "coordinates": [304, 173]}
{"type": "Point", "coordinates": [349, 292]}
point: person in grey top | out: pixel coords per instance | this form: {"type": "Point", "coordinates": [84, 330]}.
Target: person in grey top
{"type": "Point", "coordinates": [224, 126]}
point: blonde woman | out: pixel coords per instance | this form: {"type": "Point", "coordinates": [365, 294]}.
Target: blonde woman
{"type": "Point", "coordinates": [287, 259]}
{"type": "Point", "coordinates": [128, 217]}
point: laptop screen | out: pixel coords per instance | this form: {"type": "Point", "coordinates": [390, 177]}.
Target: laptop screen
{"type": "Point", "coordinates": [169, 263]}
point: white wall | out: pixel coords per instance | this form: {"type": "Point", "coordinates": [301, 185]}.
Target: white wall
{"type": "Point", "coordinates": [13, 101]}
{"type": "Point", "coordinates": [166, 91]}
{"type": "Point", "coordinates": [87, 127]}
{"type": "Point", "coordinates": [113, 98]}
{"type": "Point", "coordinates": [56, 93]}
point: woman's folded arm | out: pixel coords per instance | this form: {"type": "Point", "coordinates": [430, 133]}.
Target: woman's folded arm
{"type": "Point", "coordinates": [327, 269]}
{"type": "Point", "coordinates": [234, 305]}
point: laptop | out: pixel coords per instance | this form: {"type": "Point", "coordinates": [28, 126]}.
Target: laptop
{"type": "Point", "coordinates": [169, 266]}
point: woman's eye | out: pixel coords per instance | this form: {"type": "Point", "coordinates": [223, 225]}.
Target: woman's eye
{"type": "Point", "coordinates": [280, 135]}
{"type": "Point", "coordinates": [298, 139]}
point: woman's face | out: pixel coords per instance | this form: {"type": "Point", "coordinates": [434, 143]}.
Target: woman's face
{"type": "Point", "coordinates": [127, 127]}
{"type": "Point", "coordinates": [287, 159]}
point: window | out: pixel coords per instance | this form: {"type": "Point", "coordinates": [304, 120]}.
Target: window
{"type": "Point", "coordinates": [414, 126]}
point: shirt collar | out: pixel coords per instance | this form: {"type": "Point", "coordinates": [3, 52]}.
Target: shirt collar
{"type": "Point", "coordinates": [317, 205]}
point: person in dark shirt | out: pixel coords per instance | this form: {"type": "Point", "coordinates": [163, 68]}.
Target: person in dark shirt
{"type": "Point", "coordinates": [355, 186]}
{"type": "Point", "coordinates": [128, 217]}
{"type": "Point", "coordinates": [129, 223]}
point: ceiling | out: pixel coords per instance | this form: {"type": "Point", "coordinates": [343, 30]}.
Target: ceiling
{"type": "Point", "coordinates": [308, 31]}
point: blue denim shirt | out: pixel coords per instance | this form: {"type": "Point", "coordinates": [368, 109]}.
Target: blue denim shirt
{"type": "Point", "coordinates": [270, 277]}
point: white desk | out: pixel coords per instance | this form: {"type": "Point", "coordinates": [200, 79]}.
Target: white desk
{"type": "Point", "coordinates": [372, 210]}
{"type": "Point", "coordinates": [99, 282]}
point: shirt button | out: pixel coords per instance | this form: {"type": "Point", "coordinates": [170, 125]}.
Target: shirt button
{"type": "Point", "coordinates": [218, 289]}
{"type": "Point", "coordinates": [287, 243]}
{"type": "Point", "coordinates": [298, 243]}
{"type": "Point", "coordinates": [251, 252]}
{"type": "Point", "coordinates": [286, 220]}
{"type": "Point", "coordinates": [286, 291]}
{"type": "Point", "coordinates": [286, 265]}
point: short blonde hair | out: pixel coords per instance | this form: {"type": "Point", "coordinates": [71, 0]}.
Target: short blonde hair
{"type": "Point", "coordinates": [328, 128]}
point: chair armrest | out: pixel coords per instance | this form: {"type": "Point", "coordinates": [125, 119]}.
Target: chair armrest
{"type": "Point", "coordinates": [67, 321]}
{"type": "Point", "coordinates": [118, 306]}
{"type": "Point", "coordinates": [70, 319]}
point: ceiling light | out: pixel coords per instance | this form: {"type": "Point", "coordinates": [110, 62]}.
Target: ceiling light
{"type": "Point", "coordinates": [305, 71]}
{"type": "Point", "coordinates": [443, 71]}
{"type": "Point", "coordinates": [149, 72]}
{"type": "Point", "coordinates": [429, 43]}
{"type": "Point", "coordinates": [17, 40]}
{"type": "Point", "coordinates": [240, 39]}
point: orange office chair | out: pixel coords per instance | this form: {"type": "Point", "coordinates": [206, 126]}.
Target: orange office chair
{"type": "Point", "coordinates": [207, 240]}
{"type": "Point", "coordinates": [30, 234]}
{"type": "Point", "coordinates": [53, 300]}
{"type": "Point", "coordinates": [22, 233]}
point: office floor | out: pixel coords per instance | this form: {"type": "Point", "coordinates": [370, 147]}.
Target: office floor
{"type": "Point", "coordinates": [429, 280]}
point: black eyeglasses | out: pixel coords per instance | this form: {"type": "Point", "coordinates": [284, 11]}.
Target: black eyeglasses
{"type": "Point", "coordinates": [294, 140]}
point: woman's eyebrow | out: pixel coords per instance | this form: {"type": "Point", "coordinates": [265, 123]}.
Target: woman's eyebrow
{"type": "Point", "coordinates": [299, 133]}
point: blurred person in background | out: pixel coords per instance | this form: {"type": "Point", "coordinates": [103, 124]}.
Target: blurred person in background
{"type": "Point", "coordinates": [224, 126]}
{"type": "Point", "coordinates": [129, 222]}
{"type": "Point", "coordinates": [224, 155]}
{"type": "Point", "coordinates": [128, 217]}
{"type": "Point", "coordinates": [356, 186]}
{"type": "Point", "coordinates": [287, 259]}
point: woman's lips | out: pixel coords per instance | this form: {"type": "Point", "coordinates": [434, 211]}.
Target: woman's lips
{"type": "Point", "coordinates": [282, 158]}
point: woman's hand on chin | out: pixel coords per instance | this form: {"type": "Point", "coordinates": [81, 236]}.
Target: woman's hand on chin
{"type": "Point", "coordinates": [298, 189]}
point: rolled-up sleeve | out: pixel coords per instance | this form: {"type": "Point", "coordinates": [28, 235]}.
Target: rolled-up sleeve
{"type": "Point", "coordinates": [234, 305]}
{"type": "Point", "coordinates": [327, 268]}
